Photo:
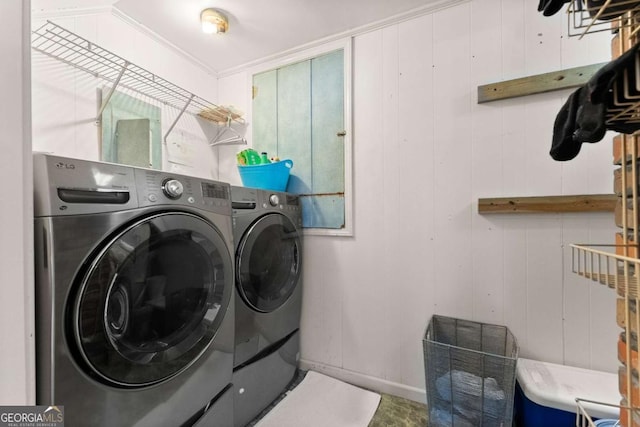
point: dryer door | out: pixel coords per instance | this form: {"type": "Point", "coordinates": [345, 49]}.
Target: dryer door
{"type": "Point", "coordinates": [268, 262]}
{"type": "Point", "coordinates": [152, 299]}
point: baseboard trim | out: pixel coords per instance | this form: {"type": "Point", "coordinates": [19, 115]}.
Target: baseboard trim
{"type": "Point", "coordinates": [366, 381]}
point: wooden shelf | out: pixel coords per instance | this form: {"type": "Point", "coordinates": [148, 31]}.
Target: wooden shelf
{"type": "Point", "coordinates": [540, 83]}
{"type": "Point", "coordinates": [548, 204]}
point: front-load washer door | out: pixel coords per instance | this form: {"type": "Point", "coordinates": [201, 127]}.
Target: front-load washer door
{"type": "Point", "coordinates": [268, 262]}
{"type": "Point", "coordinates": [151, 300]}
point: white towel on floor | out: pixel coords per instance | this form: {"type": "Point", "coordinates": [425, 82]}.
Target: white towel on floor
{"type": "Point", "coordinates": [321, 401]}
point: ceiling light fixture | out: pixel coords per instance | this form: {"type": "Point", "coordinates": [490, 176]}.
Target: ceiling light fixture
{"type": "Point", "coordinates": [213, 22]}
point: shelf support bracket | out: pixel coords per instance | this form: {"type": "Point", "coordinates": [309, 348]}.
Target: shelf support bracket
{"type": "Point", "coordinates": [111, 91]}
{"type": "Point", "coordinates": [233, 140]}
{"type": "Point", "coordinates": [175, 122]}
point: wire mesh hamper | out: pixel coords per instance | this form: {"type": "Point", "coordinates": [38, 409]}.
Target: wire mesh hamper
{"type": "Point", "coordinates": [470, 373]}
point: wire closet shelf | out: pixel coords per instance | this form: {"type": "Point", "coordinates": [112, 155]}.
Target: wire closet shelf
{"type": "Point", "coordinates": [618, 266]}
{"type": "Point", "coordinates": [592, 17]}
{"type": "Point", "coordinates": [61, 44]}
{"type": "Point", "coordinates": [615, 271]}
{"type": "Point", "coordinates": [622, 18]}
{"type": "Point", "coordinates": [585, 408]}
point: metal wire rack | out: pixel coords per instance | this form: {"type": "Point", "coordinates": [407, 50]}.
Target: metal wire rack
{"type": "Point", "coordinates": [615, 271]}
{"type": "Point", "coordinates": [585, 17]}
{"type": "Point", "coordinates": [618, 267]}
{"type": "Point", "coordinates": [56, 42]}
{"type": "Point", "coordinates": [626, 98]}
{"type": "Point", "coordinates": [585, 409]}
{"type": "Point", "coordinates": [623, 18]}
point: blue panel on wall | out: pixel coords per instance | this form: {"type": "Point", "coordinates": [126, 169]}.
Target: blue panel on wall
{"type": "Point", "coordinates": [306, 100]}
{"type": "Point", "coordinates": [323, 212]}
{"type": "Point", "coordinates": [294, 121]}
{"type": "Point", "coordinates": [327, 109]}
{"type": "Point", "coordinates": [265, 112]}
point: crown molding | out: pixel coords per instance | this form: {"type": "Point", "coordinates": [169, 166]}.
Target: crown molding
{"type": "Point", "coordinates": [69, 12]}
{"type": "Point", "coordinates": [113, 10]}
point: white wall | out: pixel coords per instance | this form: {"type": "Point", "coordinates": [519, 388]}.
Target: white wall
{"type": "Point", "coordinates": [424, 152]}
{"type": "Point", "coordinates": [17, 356]}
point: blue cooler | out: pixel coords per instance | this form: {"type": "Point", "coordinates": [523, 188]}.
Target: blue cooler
{"type": "Point", "coordinates": [546, 394]}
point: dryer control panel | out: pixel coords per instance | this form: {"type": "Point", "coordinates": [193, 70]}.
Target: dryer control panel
{"type": "Point", "coordinates": [245, 198]}
{"type": "Point", "coordinates": [269, 200]}
{"type": "Point", "coordinates": [249, 202]}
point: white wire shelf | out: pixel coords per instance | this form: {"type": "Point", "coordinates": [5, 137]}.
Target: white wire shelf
{"type": "Point", "coordinates": [585, 409]}
{"type": "Point", "coordinates": [618, 272]}
{"type": "Point", "coordinates": [611, 15]}
{"type": "Point", "coordinates": [56, 42]}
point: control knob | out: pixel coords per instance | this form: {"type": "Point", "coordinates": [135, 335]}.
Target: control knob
{"type": "Point", "coordinates": [172, 188]}
{"type": "Point", "coordinates": [274, 200]}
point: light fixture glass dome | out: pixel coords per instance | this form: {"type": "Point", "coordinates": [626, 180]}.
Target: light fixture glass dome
{"type": "Point", "coordinates": [213, 22]}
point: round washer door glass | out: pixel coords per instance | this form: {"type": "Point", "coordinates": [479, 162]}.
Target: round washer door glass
{"type": "Point", "coordinates": [268, 262]}
{"type": "Point", "coordinates": [153, 298]}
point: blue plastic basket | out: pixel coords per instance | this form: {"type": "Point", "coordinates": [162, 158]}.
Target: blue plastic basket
{"type": "Point", "coordinates": [270, 176]}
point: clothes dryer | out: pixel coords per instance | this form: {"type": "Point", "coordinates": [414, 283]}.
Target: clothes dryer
{"type": "Point", "coordinates": [267, 228]}
{"type": "Point", "coordinates": [134, 285]}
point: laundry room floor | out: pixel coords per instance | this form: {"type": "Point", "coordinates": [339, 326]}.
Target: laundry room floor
{"type": "Point", "coordinates": [395, 411]}
{"type": "Point", "coordinates": [392, 411]}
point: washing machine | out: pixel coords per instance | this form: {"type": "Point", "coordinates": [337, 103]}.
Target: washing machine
{"type": "Point", "coordinates": [267, 229]}
{"type": "Point", "coordinates": [134, 295]}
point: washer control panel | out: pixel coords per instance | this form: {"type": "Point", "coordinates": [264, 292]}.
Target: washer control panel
{"type": "Point", "coordinates": [161, 188]}
{"type": "Point", "coordinates": [66, 186]}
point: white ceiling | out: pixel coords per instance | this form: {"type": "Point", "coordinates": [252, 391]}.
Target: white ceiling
{"type": "Point", "coordinates": [257, 28]}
